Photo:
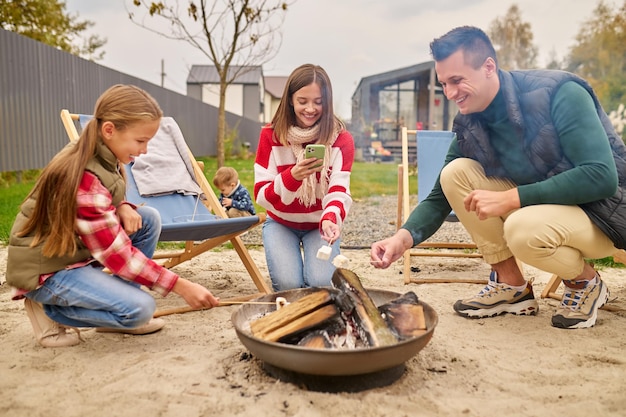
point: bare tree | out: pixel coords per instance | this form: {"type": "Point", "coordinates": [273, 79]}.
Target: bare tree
{"type": "Point", "coordinates": [513, 41]}
{"type": "Point", "coordinates": [234, 34]}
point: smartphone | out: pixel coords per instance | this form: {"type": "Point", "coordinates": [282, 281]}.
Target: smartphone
{"type": "Point", "coordinates": [315, 151]}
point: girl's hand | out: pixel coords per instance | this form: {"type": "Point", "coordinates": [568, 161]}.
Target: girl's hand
{"type": "Point", "coordinates": [195, 295]}
{"type": "Point", "coordinates": [330, 231]}
{"type": "Point", "coordinates": [303, 169]}
{"type": "Point", "coordinates": [129, 218]}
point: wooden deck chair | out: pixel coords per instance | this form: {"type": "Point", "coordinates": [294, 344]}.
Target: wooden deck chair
{"type": "Point", "coordinates": [201, 223]}
{"type": "Point", "coordinates": [432, 147]}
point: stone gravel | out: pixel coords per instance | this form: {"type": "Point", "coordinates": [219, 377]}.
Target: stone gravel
{"type": "Point", "coordinates": [372, 219]}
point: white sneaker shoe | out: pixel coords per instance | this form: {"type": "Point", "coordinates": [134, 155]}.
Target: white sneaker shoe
{"type": "Point", "coordinates": [579, 307]}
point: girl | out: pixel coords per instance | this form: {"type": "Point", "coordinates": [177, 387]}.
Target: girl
{"type": "Point", "coordinates": [306, 202]}
{"type": "Point", "coordinates": [75, 222]}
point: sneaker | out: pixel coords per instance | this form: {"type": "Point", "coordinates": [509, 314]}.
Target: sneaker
{"type": "Point", "coordinates": [48, 332]}
{"type": "Point", "coordinates": [579, 307]}
{"type": "Point", "coordinates": [497, 298]}
{"type": "Point", "coordinates": [154, 325]}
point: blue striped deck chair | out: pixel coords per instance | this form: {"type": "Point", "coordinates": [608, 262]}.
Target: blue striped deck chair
{"type": "Point", "coordinates": [432, 148]}
{"type": "Point", "coordinates": [201, 223]}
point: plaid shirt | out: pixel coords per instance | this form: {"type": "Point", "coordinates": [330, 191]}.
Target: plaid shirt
{"type": "Point", "coordinates": [100, 229]}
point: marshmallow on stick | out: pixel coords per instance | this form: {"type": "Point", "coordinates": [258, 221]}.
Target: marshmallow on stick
{"type": "Point", "coordinates": [324, 252]}
{"type": "Point", "coordinates": [341, 261]}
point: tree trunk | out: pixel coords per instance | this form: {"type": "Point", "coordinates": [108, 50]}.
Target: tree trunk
{"type": "Point", "coordinates": [221, 126]}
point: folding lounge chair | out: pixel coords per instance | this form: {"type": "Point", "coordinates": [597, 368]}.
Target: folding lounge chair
{"type": "Point", "coordinates": [432, 147]}
{"type": "Point", "coordinates": [201, 224]}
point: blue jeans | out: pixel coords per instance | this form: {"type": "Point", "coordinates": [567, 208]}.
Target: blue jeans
{"type": "Point", "coordinates": [291, 257]}
{"type": "Point", "coordinates": [90, 297]}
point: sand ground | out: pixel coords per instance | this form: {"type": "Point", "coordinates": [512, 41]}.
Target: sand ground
{"type": "Point", "coordinates": [196, 366]}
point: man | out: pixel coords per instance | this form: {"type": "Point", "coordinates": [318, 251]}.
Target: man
{"type": "Point", "coordinates": [532, 174]}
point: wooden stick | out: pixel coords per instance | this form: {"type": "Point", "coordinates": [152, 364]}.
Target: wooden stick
{"type": "Point", "coordinates": [227, 303]}
{"type": "Point", "coordinates": [175, 310]}
{"type": "Point", "coordinates": [609, 307]}
{"type": "Point", "coordinates": [187, 309]}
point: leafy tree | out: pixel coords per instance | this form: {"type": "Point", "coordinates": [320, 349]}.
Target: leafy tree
{"type": "Point", "coordinates": [513, 41]}
{"type": "Point", "coordinates": [600, 54]}
{"type": "Point", "coordinates": [47, 21]}
{"type": "Point", "coordinates": [234, 34]}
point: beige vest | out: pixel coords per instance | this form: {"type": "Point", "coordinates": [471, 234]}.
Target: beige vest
{"type": "Point", "coordinates": [25, 263]}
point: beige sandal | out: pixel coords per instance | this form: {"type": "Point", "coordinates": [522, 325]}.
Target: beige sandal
{"type": "Point", "coordinates": [48, 332]}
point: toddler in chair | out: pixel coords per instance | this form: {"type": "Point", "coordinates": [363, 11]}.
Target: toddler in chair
{"type": "Point", "coordinates": [234, 197]}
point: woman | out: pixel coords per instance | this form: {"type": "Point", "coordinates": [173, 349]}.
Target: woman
{"type": "Point", "coordinates": [306, 202]}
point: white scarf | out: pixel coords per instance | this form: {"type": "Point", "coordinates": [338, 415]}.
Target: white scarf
{"type": "Point", "coordinates": [311, 190]}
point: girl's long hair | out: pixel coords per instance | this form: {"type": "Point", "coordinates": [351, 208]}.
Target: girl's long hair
{"type": "Point", "coordinates": [285, 116]}
{"type": "Point", "coordinates": [53, 219]}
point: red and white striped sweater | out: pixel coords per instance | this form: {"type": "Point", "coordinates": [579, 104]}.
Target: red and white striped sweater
{"type": "Point", "coordinates": [275, 188]}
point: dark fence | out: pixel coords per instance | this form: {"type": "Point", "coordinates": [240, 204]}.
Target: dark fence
{"type": "Point", "coordinates": [37, 81]}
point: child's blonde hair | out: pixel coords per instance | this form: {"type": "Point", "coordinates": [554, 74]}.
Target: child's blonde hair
{"type": "Point", "coordinates": [225, 175]}
{"type": "Point", "coordinates": [54, 216]}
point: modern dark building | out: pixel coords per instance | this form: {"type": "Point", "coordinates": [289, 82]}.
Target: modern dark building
{"type": "Point", "coordinates": [383, 103]}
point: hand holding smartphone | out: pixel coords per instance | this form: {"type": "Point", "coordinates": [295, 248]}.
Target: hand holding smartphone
{"type": "Point", "coordinates": [315, 151]}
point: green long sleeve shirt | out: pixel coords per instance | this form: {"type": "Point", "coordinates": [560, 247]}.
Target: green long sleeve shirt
{"type": "Point", "coordinates": [584, 143]}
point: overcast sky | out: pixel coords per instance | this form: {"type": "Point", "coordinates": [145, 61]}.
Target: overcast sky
{"type": "Point", "coordinates": [351, 39]}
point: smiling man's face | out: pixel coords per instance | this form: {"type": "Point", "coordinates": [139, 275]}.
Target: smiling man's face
{"type": "Point", "coordinates": [472, 89]}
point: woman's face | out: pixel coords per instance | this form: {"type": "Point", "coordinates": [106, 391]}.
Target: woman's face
{"type": "Point", "coordinates": [307, 105]}
{"type": "Point", "coordinates": [129, 143]}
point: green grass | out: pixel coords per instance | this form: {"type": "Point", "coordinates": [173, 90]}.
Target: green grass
{"type": "Point", "coordinates": [368, 179]}
{"type": "Point", "coordinates": [10, 199]}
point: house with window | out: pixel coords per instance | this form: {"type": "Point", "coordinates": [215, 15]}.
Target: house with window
{"type": "Point", "coordinates": [245, 96]}
{"type": "Point", "coordinates": [274, 87]}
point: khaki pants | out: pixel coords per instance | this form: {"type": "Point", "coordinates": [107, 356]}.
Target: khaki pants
{"type": "Point", "coordinates": [553, 238]}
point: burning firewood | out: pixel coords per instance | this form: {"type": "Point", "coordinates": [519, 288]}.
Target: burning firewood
{"type": "Point", "coordinates": [318, 339]}
{"type": "Point", "coordinates": [371, 326]}
{"type": "Point", "coordinates": [296, 317]}
{"type": "Point", "coordinates": [321, 318]}
{"type": "Point", "coordinates": [404, 316]}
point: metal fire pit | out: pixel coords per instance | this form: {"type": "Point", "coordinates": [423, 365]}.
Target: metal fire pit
{"type": "Point", "coordinates": [308, 366]}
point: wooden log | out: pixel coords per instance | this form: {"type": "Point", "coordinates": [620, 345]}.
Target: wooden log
{"type": "Point", "coordinates": [371, 326]}
{"type": "Point", "coordinates": [405, 316]}
{"type": "Point", "coordinates": [316, 340]}
{"type": "Point", "coordinates": [302, 324]}
{"type": "Point", "coordinates": [290, 312]}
